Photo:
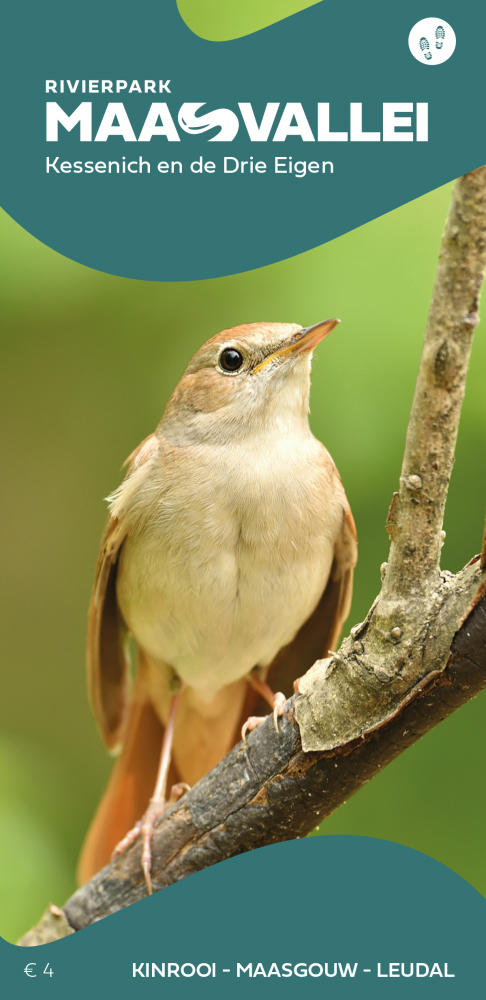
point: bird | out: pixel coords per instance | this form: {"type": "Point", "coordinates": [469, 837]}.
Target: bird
{"type": "Point", "coordinates": [228, 557]}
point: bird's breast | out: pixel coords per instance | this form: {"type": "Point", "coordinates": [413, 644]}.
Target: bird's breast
{"type": "Point", "coordinates": [231, 558]}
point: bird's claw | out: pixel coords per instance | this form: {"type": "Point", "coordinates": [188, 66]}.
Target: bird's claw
{"type": "Point", "coordinates": [256, 720]}
{"type": "Point", "coordinates": [278, 708]}
{"type": "Point", "coordinates": [145, 829]}
{"type": "Point", "coordinates": [251, 724]}
{"type": "Point", "coordinates": [154, 812]}
{"type": "Point", "coordinates": [127, 841]}
{"type": "Point", "coordinates": [177, 791]}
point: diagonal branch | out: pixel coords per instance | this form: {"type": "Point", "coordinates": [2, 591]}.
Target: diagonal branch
{"type": "Point", "coordinates": [275, 792]}
{"type": "Point", "coordinates": [405, 668]}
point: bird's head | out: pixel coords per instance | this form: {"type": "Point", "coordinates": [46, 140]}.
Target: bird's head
{"type": "Point", "coordinates": [243, 380]}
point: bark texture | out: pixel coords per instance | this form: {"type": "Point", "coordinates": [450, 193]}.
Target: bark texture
{"type": "Point", "coordinates": [416, 516]}
{"type": "Point", "coordinates": [419, 654]}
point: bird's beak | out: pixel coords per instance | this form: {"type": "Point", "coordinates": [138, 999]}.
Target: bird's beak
{"type": "Point", "coordinates": [303, 340]}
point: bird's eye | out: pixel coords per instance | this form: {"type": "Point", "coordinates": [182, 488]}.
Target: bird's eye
{"type": "Point", "coordinates": [230, 360]}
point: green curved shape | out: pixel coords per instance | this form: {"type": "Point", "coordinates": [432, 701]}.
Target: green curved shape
{"type": "Point", "coordinates": [218, 20]}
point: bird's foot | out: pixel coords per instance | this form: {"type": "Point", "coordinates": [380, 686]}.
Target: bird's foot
{"type": "Point", "coordinates": [155, 810]}
{"type": "Point", "coordinates": [127, 841]}
{"type": "Point", "coordinates": [277, 702]}
{"type": "Point", "coordinates": [145, 829]}
{"type": "Point", "coordinates": [251, 724]}
{"type": "Point", "coordinates": [177, 791]}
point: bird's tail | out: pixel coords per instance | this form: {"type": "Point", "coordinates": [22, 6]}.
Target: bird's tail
{"type": "Point", "coordinates": [129, 789]}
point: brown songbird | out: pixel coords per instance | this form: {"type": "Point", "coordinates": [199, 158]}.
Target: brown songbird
{"type": "Point", "coordinates": [228, 556]}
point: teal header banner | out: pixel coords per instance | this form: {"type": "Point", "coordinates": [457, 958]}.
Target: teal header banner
{"type": "Point", "coordinates": [136, 147]}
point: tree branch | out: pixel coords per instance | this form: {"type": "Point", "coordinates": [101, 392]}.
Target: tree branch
{"type": "Point", "coordinates": [417, 511]}
{"type": "Point", "coordinates": [410, 627]}
{"type": "Point", "coordinates": [405, 668]}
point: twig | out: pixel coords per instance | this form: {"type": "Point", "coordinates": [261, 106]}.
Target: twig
{"type": "Point", "coordinates": [416, 517]}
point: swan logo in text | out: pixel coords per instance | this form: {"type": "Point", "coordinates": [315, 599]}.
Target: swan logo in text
{"type": "Point", "coordinates": [432, 41]}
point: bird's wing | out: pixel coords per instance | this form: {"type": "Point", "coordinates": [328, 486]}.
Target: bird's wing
{"type": "Point", "coordinates": [106, 658]}
{"type": "Point", "coordinates": [319, 635]}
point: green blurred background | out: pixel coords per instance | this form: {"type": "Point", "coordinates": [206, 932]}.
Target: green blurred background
{"type": "Point", "coordinates": [88, 362]}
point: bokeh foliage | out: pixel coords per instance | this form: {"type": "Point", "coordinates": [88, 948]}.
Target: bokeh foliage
{"type": "Point", "coordinates": [88, 362]}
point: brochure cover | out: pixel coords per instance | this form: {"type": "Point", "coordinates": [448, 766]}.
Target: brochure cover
{"type": "Point", "coordinates": [243, 550]}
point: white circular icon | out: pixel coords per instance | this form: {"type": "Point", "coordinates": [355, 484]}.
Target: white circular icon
{"type": "Point", "coordinates": [432, 41]}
